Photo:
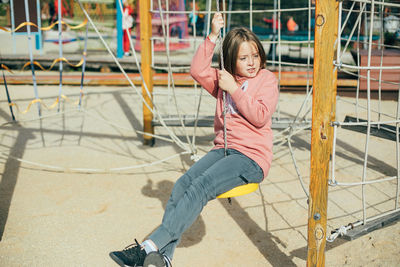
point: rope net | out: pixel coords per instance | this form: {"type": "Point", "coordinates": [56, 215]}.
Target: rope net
{"type": "Point", "coordinates": [369, 30]}
{"type": "Point", "coordinates": [365, 129]}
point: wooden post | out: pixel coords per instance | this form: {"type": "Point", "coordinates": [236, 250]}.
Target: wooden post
{"type": "Point", "coordinates": [323, 112]}
{"type": "Point", "coordinates": [145, 43]}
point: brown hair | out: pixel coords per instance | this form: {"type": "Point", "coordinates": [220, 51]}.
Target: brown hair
{"type": "Point", "coordinates": [231, 44]}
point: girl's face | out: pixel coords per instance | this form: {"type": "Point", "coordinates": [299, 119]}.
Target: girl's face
{"type": "Point", "coordinates": [248, 60]}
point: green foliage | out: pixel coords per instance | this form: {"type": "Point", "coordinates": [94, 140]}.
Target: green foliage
{"type": "Point", "coordinates": [3, 9]}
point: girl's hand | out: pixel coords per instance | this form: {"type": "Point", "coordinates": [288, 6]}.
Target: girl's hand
{"type": "Point", "coordinates": [226, 82]}
{"type": "Point", "coordinates": [216, 25]}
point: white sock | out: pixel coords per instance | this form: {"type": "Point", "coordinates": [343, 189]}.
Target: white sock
{"type": "Point", "coordinates": [168, 261]}
{"type": "Point", "coordinates": [149, 246]}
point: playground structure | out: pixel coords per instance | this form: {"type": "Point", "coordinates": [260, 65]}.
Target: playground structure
{"type": "Point", "coordinates": [176, 26]}
{"type": "Point", "coordinates": [330, 23]}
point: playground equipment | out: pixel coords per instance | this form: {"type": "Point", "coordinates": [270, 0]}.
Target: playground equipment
{"type": "Point", "coordinates": [173, 21]}
{"type": "Point", "coordinates": [331, 22]}
{"type": "Point", "coordinates": [239, 191]}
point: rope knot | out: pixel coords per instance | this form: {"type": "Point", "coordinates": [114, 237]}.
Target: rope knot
{"type": "Point", "coordinates": [195, 157]}
{"type": "Point", "coordinates": [342, 230]}
{"type": "Point", "coordinates": [332, 182]}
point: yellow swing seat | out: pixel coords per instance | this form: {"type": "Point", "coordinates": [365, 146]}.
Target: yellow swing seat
{"type": "Point", "coordinates": [240, 190]}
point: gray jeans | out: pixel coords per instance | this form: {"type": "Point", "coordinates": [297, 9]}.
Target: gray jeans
{"type": "Point", "coordinates": [211, 176]}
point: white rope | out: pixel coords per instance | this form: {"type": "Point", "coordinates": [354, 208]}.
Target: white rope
{"type": "Point", "coordinates": [290, 131]}
{"type": "Point", "coordinates": [145, 86]}
{"type": "Point", "coordinates": [365, 123]}
{"type": "Point", "coordinates": [358, 63]}
{"type": "Point", "coordinates": [126, 128]}
{"type": "Point", "coordinates": [378, 3]}
{"type": "Point", "coordinates": [343, 65]}
{"type": "Point", "coordinates": [60, 51]}
{"type": "Point", "coordinates": [41, 117]}
{"type": "Point", "coordinates": [278, 109]}
{"type": "Point", "coordinates": [208, 14]}
{"type": "Point", "coordinates": [368, 123]}
{"type": "Point", "coordinates": [197, 112]}
{"type": "Point", "coordinates": [381, 64]}
{"type": "Point", "coordinates": [251, 14]}
{"type": "Point", "coordinates": [363, 107]}
{"type": "Point", "coordinates": [28, 30]}
{"type": "Point", "coordinates": [308, 47]}
{"type": "Point", "coordinates": [398, 151]}
{"type": "Point", "coordinates": [224, 104]}
{"type": "Point", "coordinates": [372, 78]}
{"type": "Point", "coordinates": [166, 39]}
{"type": "Point", "coordinates": [176, 140]}
{"type": "Point", "coordinates": [103, 170]}
{"type": "Point", "coordinates": [297, 168]}
{"type": "Point", "coordinates": [159, 38]}
{"type": "Point", "coordinates": [337, 41]}
{"type": "Point", "coordinates": [154, 109]}
{"type": "Point", "coordinates": [91, 170]}
{"type": "Point", "coordinates": [367, 137]}
{"type": "Point", "coordinates": [333, 160]}
{"type": "Point", "coordinates": [334, 182]}
{"type": "Point", "coordinates": [287, 63]}
{"type": "Point", "coordinates": [170, 78]}
{"type": "Point", "coordinates": [356, 24]}
{"type": "Point", "coordinates": [93, 116]}
{"type": "Point", "coordinates": [305, 101]}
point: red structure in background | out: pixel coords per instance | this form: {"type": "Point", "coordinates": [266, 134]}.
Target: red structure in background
{"type": "Point", "coordinates": [389, 77]}
{"type": "Point", "coordinates": [178, 26]}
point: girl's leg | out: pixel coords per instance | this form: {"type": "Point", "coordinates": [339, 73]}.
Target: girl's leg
{"type": "Point", "coordinates": [233, 170]}
{"type": "Point", "coordinates": [183, 183]}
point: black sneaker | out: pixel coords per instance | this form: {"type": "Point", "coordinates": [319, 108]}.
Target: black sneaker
{"type": "Point", "coordinates": [156, 259]}
{"type": "Point", "coordinates": [133, 255]}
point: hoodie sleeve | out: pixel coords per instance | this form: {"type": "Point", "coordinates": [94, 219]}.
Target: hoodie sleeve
{"type": "Point", "coordinates": [201, 69]}
{"type": "Point", "coordinates": [258, 110]}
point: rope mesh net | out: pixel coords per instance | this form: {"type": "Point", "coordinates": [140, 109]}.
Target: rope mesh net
{"type": "Point", "coordinates": [367, 47]}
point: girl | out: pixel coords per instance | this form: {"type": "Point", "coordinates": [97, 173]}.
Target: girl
{"type": "Point", "coordinates": [251, 98]}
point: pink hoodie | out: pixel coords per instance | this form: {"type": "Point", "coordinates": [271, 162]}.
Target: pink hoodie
{"type": "Point", "coordinates": [248, 120]}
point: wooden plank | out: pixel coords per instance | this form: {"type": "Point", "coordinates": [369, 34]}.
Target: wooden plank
{"type": "Point", "coordinates": [323, 112]}
{"type": "Point", "coordinates": [288, 79]}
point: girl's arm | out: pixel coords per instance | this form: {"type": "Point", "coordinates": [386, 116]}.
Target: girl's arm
{"type": "Point", "coordinates": [201, 69]}
{"type": "Point", "coordinates": [258, 110]}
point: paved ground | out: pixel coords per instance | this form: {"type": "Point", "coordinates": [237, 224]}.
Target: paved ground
{"type": "Point", "coordinates": [51, 215]}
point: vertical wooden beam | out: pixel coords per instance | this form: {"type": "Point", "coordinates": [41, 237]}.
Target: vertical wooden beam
{"type": "Point", "coordinates": [323, 112]}
{"type": "Point", "coordinates": [145, 43]}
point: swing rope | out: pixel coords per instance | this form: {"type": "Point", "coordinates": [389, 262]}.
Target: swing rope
{"type": "Point", "coordinates": [241, 189]}
{"type": "Point", "coordinates": [225, 106]}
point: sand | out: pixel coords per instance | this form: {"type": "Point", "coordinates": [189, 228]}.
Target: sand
{"type": "Point", "coordinates": [54, 215]}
